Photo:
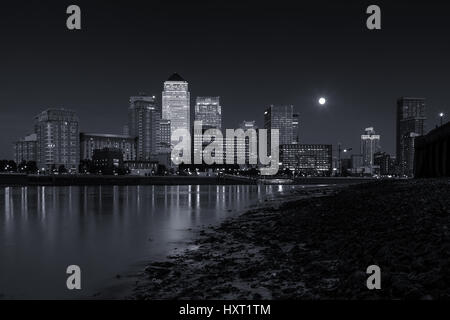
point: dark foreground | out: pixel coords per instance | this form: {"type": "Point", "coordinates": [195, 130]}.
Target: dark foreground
{"type": "Point", "coordinates": [320, 248]}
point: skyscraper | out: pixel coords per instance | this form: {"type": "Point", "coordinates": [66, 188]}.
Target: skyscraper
{"type": "Point", "coordinates": [383, 161]}
{"type": "Point", "coordinates": [58, 140]}
{"type": "Point", "coordinates": [410, 124]}
{"type": "Point", "coordinates": [164, 157]}
{"type": "Point", "coordinates": [144, 119]}
{"type": "Point", "coordinates": [209, 111]}
{"type": "Point", "coordinates": [165, 136]}
{"type": "Point", "coordinates": [281, 118]}
{"type": "Point", "coordinates": [296, 127]}
{"type": "Point", "coordinates": [370, 144]}
{"type": "Point", "coordinates": [176, 104]}
{"type": "Point", "coordinates": [243, 147]}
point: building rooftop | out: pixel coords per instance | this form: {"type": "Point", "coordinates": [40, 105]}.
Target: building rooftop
{"type": "Point", "coordinates": [176, 77]}
{"type": "Point", "coordinates": [106, 135]}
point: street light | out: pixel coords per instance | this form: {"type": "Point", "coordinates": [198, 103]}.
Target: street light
{"type": "Point", "coordinates": [441, 115]}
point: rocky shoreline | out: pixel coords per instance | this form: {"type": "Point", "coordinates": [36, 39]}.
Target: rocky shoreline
{"type": "Point", "coordinates": [319, 248]}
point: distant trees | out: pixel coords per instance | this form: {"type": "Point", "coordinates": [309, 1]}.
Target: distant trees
{"type": "Point", "coordinates": [162, 170]}
{"type": "Point", "coordinates": [62, 169]}
{"type": "Point", "coordinates": [28, 167]}
{"type": "Point", "coordinates": [8, 166]}
{"type": "Point", "coordinates": [88, 167]}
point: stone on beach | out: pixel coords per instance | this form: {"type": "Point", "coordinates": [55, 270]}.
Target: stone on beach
{"type": "Point", "coordinates": [320, 247]}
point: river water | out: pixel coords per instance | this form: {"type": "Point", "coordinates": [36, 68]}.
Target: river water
{"type": "Point", "coordinates": [105, 230]}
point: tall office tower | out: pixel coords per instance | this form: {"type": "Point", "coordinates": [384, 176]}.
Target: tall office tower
{"type": "Point", "coordinates": [25, 149]}
{"type": "Point", "coordinates": [410, 124]}
{"type": "Point", "coordinates": [296, 127]}
{"type": "Point", "coordinates": [248, 125]}
{"type": "Point", "coordinates": [126, 130]}
{"type": "Point", "coordinates": [241, 146]}
{"type": "Point", "coordinates": [209, 111]}
{"type": "Point", "coordinates": [281, 118]}
{"type": "Point", "coordinates": [164, 156]}
{"type": "Point", "coordinates": [383, 161]}
{"type": "Point", "coordinates": [144, 119]}
{"type": "Point", "coordinates": [165, 136]}
{"type": "Point", "coordinates": [176, 104]}
{"type": "Point", "coordinates": [58, 139]}
{"type": "Point", "coordinates": [357, 163]}
{"type": "Point", "coordinates": [370, 144]}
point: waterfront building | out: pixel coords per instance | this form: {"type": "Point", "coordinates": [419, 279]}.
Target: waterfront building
{"type": "Point", "coordinates": [432, 154]}
{"type": "Point", "coordinates": [57, 140]}
{"type": "Point", "coordinates": [250, 153]}
{"type": "Point", "coordinates": [164, 136]}
{"type": "Point", "coordinates": [108, 160]}
{"type": "Point", "coordinates": [164, 156]}
{"type": "Point", "coordinates": [176, 104]}
{"type": "Point", "coordinates": [383, 161]}
{"type": "Point", "coordinates": [308, 159]}
{"type": "Point", "coordinates": [282, 119]}
{"type": "Point", "coordinates": [144, 119]}
{"type": "Point", "coordinates": [143, 168]}
{"type": "Point", "coordinates": [370, 144]}
{"type": "Point", "coordinates": [357, 164]}
{"type": "Point", "coordinates": [346, 166]}
{"type": "Point", "coordinates": [410, 125]}
{"type": "Point", "coordinates": [296, 128]}
{"type": "Point", "coordinates": [209, 111]}
{"type": "Point", "coordinates": [92, 141]}
{"type": "Point", "coordinates": [25, 149]}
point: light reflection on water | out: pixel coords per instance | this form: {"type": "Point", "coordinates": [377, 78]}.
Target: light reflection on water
{"type": "Point", "coordinates": [103, 229]}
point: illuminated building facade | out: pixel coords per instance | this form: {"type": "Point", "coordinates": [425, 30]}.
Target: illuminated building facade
{"type": "Point", "coordinates": [58, 139]}
{"type": "Point", "coordinates": [176, 104]}
{"type": "Point", "coordinates": [209, 111]}
{"type": "Point", "coordinates": [98, 141]}
{"type": "Point", "coordinates": [282, 119]}
{"type": "Point", "coordinates": [25, 150]}
{"type": "Point", "coordinates": [410, 124]}
{"type": "Point", "coordinates": [370, 144]}
{"type": "Point", "coordinates": [309, 159]}
{"type": "Point", "coordinates": [144, 118]}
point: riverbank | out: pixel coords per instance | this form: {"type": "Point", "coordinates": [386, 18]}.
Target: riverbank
{"type": "Point", "coordinates": [96, 180]}
{"type": "Point", "coordinates": [319, 248]}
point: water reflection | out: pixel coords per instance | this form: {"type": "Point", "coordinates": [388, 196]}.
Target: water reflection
{"type": "Point", "coordinates": [104, 229]}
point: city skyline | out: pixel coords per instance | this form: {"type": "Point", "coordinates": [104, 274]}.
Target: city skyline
{"type": "Point", "coordinates": [145, 118]}
{"type": "Point", "coordinates": [258, 153]}
{"type": "Point", "coordinates": [146, 127]}
{"type": "Point", "coordinates": [296, 118]}
{"type": "Point", "coordinates": [329, 52]}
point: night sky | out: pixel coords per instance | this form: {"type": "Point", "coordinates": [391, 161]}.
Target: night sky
{"type": "Point", "coordinates": [250, 53]}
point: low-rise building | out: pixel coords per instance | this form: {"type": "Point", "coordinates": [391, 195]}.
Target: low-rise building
{"type": "Point", "coordinates": [310, 159]}
{"type": "Point", "coordinates": [108, 160]}
{"type": "Point", "coordinates": [93, 141]}
{"type": "Point", "coordinates": [25, 149]}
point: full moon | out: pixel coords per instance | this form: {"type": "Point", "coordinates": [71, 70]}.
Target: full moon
{"type": "Point", "coordinates": [322, 101]}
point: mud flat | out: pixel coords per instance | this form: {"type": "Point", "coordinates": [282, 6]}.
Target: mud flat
{"type": "Point", "coordinates": [319, 248]}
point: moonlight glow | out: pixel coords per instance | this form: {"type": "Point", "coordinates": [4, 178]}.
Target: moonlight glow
{"type": "Point", "coordinates": [322, 101]}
